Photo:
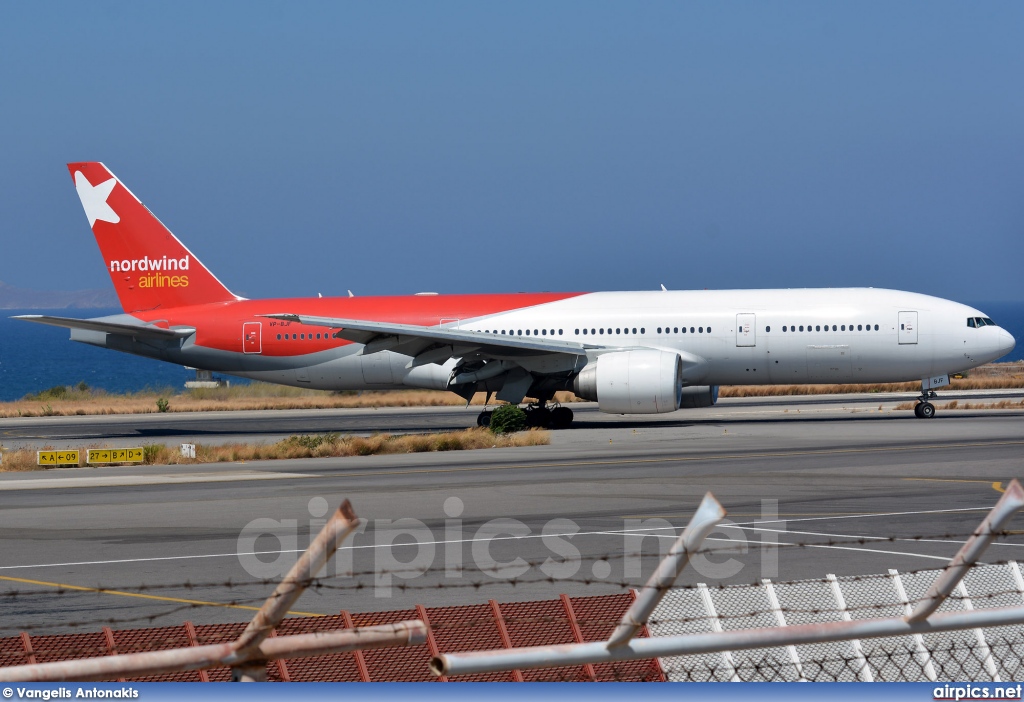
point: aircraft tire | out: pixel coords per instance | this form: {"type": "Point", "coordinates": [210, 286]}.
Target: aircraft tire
{"type": "Point", "coordinates": [927, 410]}
{"type": "Point", "coordinates": [483, 419]}
{"type": "Point", "coordinates": [561, 418]}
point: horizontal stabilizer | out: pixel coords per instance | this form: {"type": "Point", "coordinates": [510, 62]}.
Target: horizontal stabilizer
{"type": "Point", "coordinates": [136, 330]}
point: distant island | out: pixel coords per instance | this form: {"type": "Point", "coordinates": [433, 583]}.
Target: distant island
{"type": "Point", "coordinates": [12, 298]}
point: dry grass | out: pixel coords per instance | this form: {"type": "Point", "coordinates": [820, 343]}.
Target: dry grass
{"type": "Point", "coordinates": [316, 446]}
{"type": "Point", "coordinates": [958, 404]}
{"type": "Point", "coordinates": [988, 377]}
{"type": "Point", "coordinates": [255, 396]}
{"type": "Point", "coordinates": [81, 400]}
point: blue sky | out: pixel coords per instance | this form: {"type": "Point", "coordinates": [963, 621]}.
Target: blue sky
{"type": "Point", "coordinates": [475, 147]}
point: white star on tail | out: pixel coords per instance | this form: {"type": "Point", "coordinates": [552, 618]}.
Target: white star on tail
{"type": "Point", "coordinates": [94, 199]}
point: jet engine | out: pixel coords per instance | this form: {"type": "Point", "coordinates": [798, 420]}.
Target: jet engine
{"type": "Point", "coordinates": [633, 382]}
{"type": "Point", "coordinates": [696, 396]}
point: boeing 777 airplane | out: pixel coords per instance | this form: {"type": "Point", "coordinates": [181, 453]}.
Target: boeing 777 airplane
{"type": "Point", "coordinates": [631, 352]}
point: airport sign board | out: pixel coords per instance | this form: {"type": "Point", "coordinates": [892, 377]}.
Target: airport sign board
{"type": "Point", "coordinates": [125, 455]}
{"type": "Point", "coordinates": [57, 458]}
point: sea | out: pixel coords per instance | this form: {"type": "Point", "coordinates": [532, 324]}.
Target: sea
{"type": "Point", "coordinates": [35, 357]}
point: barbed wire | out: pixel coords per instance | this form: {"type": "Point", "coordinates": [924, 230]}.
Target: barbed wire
{"type": "Point", "coordinates": [497, 570]}
{"type": "Point", "coordinates": [329, 583]}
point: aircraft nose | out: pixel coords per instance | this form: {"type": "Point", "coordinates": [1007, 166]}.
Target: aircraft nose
{"type": "Point", "coordinates": [1006, 342]}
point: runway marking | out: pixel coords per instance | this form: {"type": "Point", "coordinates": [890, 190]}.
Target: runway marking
{"type": "Point", "coordinates": [137, 480]}
{"type": "Point", "coordinates": [858, 536]}
{"type": "Point", "coordinates": [853, 548]}
{"type": "Point", "coordinates": [352, 547]}
{"type": "Point", "coordinates": [837, 515]}
{"type": "Point", "coordinates": [385, 472]}
{"type": "Point", "coordinates": [120, 593]}
{"type": "Point", "coordinates": [997, 486]}
{"type": "Point", "coordinates": [876, 514]}
{"type": "Point", "coordinates": [684, 459]}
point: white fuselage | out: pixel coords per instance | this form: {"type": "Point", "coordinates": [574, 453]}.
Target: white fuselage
{"type": "Point", "coordinates": [833, 335]}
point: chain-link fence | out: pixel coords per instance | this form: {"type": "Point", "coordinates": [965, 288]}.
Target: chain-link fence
{"type": "Point", "coordinates": [992, 654]}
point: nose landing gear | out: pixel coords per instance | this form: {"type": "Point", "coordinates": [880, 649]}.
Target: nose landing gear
{"type": "Point", "coordinates": [925, 409]}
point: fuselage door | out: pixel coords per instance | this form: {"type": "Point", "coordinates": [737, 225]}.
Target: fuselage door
{"type": "Point", "coordinates": [746, 329]}
{"type": "Point", "coordinates": [908, 327]}
{"type": "Point", "coordinates": [251, 340]}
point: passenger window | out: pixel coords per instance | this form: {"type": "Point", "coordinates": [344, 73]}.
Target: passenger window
{"type": "Point", "coordinates": [618, 331]}
{"type": "Point", "coordinates": [876, 327]}
{"type": "Point", "coordinates": [295, 336]}
{"type": "Point", "coordinates": [767, 329]}
{"type": "Point", "coordinates": [844, 327]}
{"type": "Point", "coordinates": [278, 337]}
{"type": "Point", "coordinates": [859, 328]}
{"type": "Point", "coordinates": [783, 327]}
{"type": "Point", "coordinates": [641, 330]}
{"type": "Point", "coordinates": [659, 330]}
{"type": "Point", "coordinates": [691, 330]}
{"type": "Point", "coordinates": [700, 329]}
{"type": "Point", "coordinates": [544, 332]}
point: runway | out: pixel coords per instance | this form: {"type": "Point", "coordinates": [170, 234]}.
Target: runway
{"type": "Point", "coordinates": [840, 486]}
{"type": "Point", "coordinates": [272, 425]}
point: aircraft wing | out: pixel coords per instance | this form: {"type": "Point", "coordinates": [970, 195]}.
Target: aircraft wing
{"type": "Point", "coordinates": [136, 330]}
{"type": "Point", "coordinates": [433, 342]}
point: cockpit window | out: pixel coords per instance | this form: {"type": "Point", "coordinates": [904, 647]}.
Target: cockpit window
{"type": "Point", "coordinates": [989, 322]}
{"type": "Point", "coordinates": [970, 322]}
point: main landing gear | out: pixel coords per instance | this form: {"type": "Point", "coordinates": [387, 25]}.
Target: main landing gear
{"type": "Point", "coordinates": [925, 409]}
{"type": "Point", "coordinates": [538, 414]}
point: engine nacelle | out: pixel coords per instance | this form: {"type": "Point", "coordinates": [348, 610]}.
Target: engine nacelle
{"type": "Point", "coordinates": [633, 382]}
{"type": "Point", "coordinates": [699, 396]}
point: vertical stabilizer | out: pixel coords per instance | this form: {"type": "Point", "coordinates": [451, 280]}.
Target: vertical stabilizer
{"type": "Point", "coordinates": [149, 267]}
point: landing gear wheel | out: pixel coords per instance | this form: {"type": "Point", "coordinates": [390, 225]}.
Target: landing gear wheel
{"type": "Point", "coordinates": [561, 418]}
{"type": "Point", "coordinates": [925, 410]}
{"type": "Point", "coordinates": [538, 417]}
{"type": "Point", "coordinates": [484, 419]}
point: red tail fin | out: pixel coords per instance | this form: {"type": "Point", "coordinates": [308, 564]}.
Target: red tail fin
{"type": "Point", "coordinates": [149, 266]}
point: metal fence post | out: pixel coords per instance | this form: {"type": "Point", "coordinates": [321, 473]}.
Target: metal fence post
{"type": "Point", "coordinates": [1011, 501]}
{"type": "Point", "coordinates": [716, 626]}
{"type": "Point", "coordinates": [780, 619]}
{"type": "Point", "coordinates": [506, 640]}
{"type": "Point", "coordinates": [247, 656]}
{"type": "Point", "coordinates": [924, 657]}
{"type": "Point", "coordinates": [979, 635]}
{"type": "Point", "coordinates": [864, 670]}
{"type": "Point", "coordinates": [704, 520]}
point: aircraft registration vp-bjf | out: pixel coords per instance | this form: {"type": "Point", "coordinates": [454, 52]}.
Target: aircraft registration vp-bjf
{"type": "Point", "coordinates": [631, 352]}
